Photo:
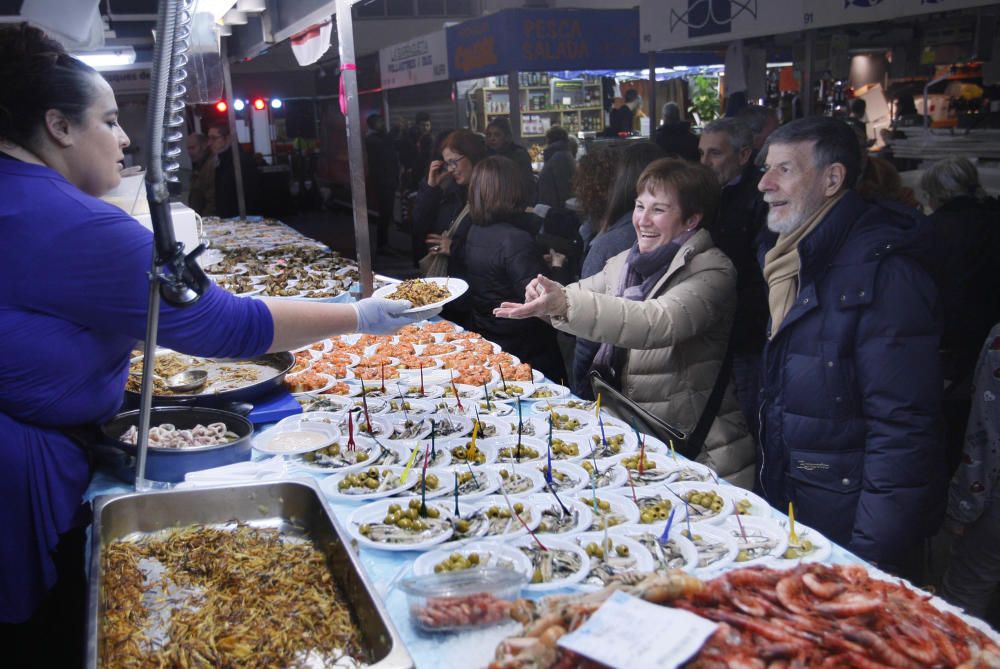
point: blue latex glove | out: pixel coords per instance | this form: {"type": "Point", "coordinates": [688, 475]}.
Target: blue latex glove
{"type": "Point", "coordinates": [381, 316]}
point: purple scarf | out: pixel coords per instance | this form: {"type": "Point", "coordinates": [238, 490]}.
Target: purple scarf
{"type": "Point", "coordinates": [642, 272]}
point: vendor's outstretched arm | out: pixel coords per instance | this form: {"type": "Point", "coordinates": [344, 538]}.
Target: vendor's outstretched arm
{"type": "Point", "coordinates": [299, 323]}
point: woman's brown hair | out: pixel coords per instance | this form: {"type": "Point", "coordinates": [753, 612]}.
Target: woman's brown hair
{"type": "Point", "coordinates": [467, 144]}
{"type": "Point", "coordinates": [695, 185]}
{"type": "Point", "coordinates": [497, 191]}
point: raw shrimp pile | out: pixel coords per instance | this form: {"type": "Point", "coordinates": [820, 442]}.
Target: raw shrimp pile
{"type": "Point", "coordinates": [168, 436]}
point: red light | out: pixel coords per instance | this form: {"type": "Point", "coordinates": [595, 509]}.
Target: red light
{"type": "Point", "coordinates": [221, 106]}
{"type": "Point", "coordinates": [259, 104]}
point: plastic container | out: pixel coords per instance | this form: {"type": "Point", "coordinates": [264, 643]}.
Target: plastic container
{"type": "Point", "coordinates": [463, 600]}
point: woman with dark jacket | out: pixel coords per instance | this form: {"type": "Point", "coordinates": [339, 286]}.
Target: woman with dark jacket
{"type": "Point", "coordinates": [502, 240]}
{"type": "Point", "coordinates": [439, 216]}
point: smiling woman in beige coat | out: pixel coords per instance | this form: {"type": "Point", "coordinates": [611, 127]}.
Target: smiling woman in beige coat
{"type": "Point", "coordinates": [662, 312]}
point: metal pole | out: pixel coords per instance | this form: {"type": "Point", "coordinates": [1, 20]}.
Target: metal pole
{"type": "Point", "coordinates": [806, 94]}
{"type": "Point", "coordinates": [514, 96]}
{"type": "Point", "coordinates": [234, 140]}
{"type": "Point", "coordinates": [355, 158]}
{"type": "Point", "coordinates": [652, 95]}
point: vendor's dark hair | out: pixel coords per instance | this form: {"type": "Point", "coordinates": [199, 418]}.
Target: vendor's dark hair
{"type": "Point", "coordinates": [621, 198]}
{"type": "Point", "coordinates": [834, 142]}
{"type": "Point", "coordinates": [38, 75]}
{"type": "Point", "coordinates": [556, 133]}
{"type": "Point", "coordinates": [497, 191]}
{"type": "Point", "coordinates": [696, 187]}
{"type": "Point", "coordinates": [373, 120]}
{"type": "Point", "coordinates": [466, 143]}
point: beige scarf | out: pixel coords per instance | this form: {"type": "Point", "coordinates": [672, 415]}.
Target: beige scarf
{"type": "Point", "coordinates": [781, 266]}
{"type": "Point", "coordinates": [436, 264]}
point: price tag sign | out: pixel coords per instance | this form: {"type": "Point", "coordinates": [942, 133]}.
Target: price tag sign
{"type": "Point", "coordinates": [628, 632]}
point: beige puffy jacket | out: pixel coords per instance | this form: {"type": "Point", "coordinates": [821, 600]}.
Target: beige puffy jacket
{"type": "Point", "coordinates": [676, 340]}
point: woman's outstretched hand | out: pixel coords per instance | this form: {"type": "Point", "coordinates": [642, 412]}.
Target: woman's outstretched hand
{"type": "Point", "coordinates": [543, 298]}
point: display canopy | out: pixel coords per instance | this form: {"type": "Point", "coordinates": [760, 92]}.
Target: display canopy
{"type": "Point", "coordinates": [527, 40]}
{"type": "Point", "coordinates": [420, 60]}
{"type": "Point", "coordinates": [672, 24]}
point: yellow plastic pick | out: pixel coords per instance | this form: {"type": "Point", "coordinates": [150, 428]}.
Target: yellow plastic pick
{"type": "Point", "coordinates": [673, 453]}
{"type": "Point", "coordinates": [409, 465]}
{"type": "Point", "coordinates": [597, 409]}
{"type": "Point", "coordinates": [470, 452]}
{"type": "Point", "coordinates": [792, 537]}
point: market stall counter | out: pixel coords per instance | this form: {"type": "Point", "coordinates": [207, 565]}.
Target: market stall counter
{"type": "Point", "coordinates": [442, 457]}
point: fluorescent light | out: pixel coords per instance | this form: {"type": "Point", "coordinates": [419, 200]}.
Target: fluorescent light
{"type": "Point", "coordinates": [251, 6]}
{"type": "Point", "coordinates": [788, 64]}
{"type": "Point", "coordinates": [111, 57]}
{"type": "Point", "coordinates": [234, 17]}
{"type": "Point", "coordinates": [217, 8]}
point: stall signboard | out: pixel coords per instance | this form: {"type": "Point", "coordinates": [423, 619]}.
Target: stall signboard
{"type": "Point", "coordinates": [673, 24]}
{"type": "Point", "coordinates": [527, 40]}
{"type": "Point", "coordinates": [417, 61]}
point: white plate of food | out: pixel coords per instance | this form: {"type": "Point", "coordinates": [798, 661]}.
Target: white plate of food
{"type": "Point", "coordinates": [567, 477]}
{"type": "Point", "coordinates": [677, 553]}
{"type": "Point", "coordinates": [610, 475]}
{"type": "Point", "coordinates": [545, 406]}
{"type": "Point", "coordinates": [368, 484]}
{"type": "Point", "coordinates": [388, 525]}
{"type": "Point", "coordinates": [716, 549]}
{"type": "Point", "coordinates": [706, 502]}
{"type": "Point", "coordinates": [611, 441]}
{"type": "Point", "coordinates": [400, 452]}
{"type": "Point", "coordinates": [758, 540]}
{"type": "Point", "coordinates": [411, 407]}
{"type": "Point", "coordinates": [308, 383]}
{"type": "Point", "coordinates": [449, 425]}
{"type": "Point", "coordinates": [337, 457]}
{"type": "Point", "coordinates": [440, 482]}
{"type": "Point", "coordinates": [548, 392]}
{"type": "Point", "coordinates": [808, 544]}
{"type": "Point", "coordinates": [475, 483]}
{"type": "Point", "coordinates": [494, 426]}
{"type": "Point", "coordinates": [424, 294]}
{"type": "Point", "coordinates": [517, 479]}
{"type": "Point", "coordinates": [510, 391]}
{"type": "Point", "coordinates": [749, 504]}
{"type": "Point", "coordinates": [477, 555]}
{"type": "Point", "coordinates": [556, 520]}
{"type": "Point", "coordinates": [295, 438]}
{"type": "Point", "coordinates": [609, 508]}
{"type": "Point", "coordinates": [561, 564]}
{"type": "Point", "coordinates": [568, 446]}
{"type": "Point", "coordinates": [511, 449]}
{"type": "Point", "coordinates": [655, 505]}
{"type": "Point", "coordinates": [611, 555]}
{"type": "Point", "coordinates": [656, 468]}
{"type": "Point", "coordinates": [497, 520]}
{"type": "Point", "coordinates": [462, 451]}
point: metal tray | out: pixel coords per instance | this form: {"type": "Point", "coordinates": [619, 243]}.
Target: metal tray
{"type": "Point", "coordinates": [282, 504]}
{"type": "Point", "coordinates": [282, 362]}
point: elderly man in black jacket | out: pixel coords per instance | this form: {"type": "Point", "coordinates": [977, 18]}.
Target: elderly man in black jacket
{"type": "Point", "coordinates": [725, 147]}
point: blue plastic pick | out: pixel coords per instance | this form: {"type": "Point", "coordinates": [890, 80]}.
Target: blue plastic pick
{"type": "Point", "coordinates": [548, 473]}
{"type": "Point", "coordinates": [433, 434]}
{"type": "Point", "coordinates": [474, 479]}
{"type": "Point", "coordinates": [457, 514]}
{"type": "Point", "coordinates": [666, 532]}
{"type": "Point", "coordinates": [486, 391]}
{"type": "Point", "coordinates": [604, 440]}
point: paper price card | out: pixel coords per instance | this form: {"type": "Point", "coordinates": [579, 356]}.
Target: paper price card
{"type": "Point", "coordinates": [628, 632]}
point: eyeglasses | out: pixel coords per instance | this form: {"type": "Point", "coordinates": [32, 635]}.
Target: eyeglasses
{"type": "Point", "coordinates": [453, 164]}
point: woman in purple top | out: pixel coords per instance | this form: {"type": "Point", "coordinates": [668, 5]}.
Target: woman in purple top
{"type": "Point", "coordinates": [73, 302]}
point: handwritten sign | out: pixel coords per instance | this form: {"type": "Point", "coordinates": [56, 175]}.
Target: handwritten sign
{"type": "Point", "coordinates": [628, 632]}
{"type": "Point", "coordinates": [418, 61]}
